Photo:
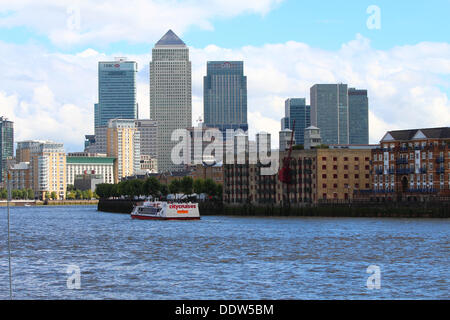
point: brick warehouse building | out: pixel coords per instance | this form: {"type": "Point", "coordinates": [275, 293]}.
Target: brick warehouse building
{"type": "Point", "coordinates": [317, 175]}
{"type": "Point", "coordinates": [412, 164]}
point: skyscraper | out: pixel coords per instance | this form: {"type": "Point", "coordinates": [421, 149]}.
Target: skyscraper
{"type": "Point", "coordinates": [329, 112]}
{"type": "Point", "coordinates": [225, 95]}
{"type": "Point", "coordinates": [6, 146]}
{"type": "Point", "coordinates": [170, 94]}
{"type": "Point", "coordinates": [296, 109]}
{"type": "Point", "coordinates": [358, 111]}
{"type": "Point", "coordinates": [116, 96]}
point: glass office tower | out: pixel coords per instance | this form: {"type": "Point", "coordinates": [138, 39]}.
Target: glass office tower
{"type": "Point", "coordinates": [296, 109]}
{"type": "Point", "coordinates": [225, 95]}
{"type": "Point", "coordinates": [358, 110]}
{"type": "Point", "coordinates": [170, 94]}
{"type": "Point", "coordinates": [329, 112]}
{"type": "Point", "coordinates": [116, 96]}
{"type": "Point", "coordinates": [6, 146]}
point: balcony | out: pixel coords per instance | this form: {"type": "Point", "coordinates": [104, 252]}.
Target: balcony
{"type": "Point", "coordinates": [440, 170]}
{"type": "Point", "coordinates": [404, 171]}
{"type": "Point", "coordinates": [401, 161]}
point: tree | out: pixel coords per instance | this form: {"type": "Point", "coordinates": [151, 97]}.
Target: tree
{"type": "Point", "coordinates": [199, 186]}
{"type": "Point", "coordinates": [152, 187]}
{"type": "Point", "coordinates": [70, 195]}
{"type": "Point", "coordinates": [70, 187]}
{"type": "Point", "coordinates": [30, 194]}
{"type": "Point", "coordinates": [53, 195]}
{"type": "Point", "coordinates": [175, 186]}
{"type": "Point", "coordinates": [210, 187]}
{"type": "Point", "coordinates": [219, 190]}
{"type": "Point", "coordinates": [186, 185]}
{"type": "Point", "coordinates": [3, 194]}
{"type": "Point", "coordinates": [104, 190]}
{"type": "Point", "coordinates": [164, 190]}
{"type": "Point", "coordinates": [78, 194]}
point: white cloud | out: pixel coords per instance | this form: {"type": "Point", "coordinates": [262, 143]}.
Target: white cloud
{"type": "Point", "coordinates": [51, 95]}
{"type": "Point", "coordinates": [68, 22]}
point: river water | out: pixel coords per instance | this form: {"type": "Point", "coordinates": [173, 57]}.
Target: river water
{"type": "Point", "coordinates": [220, 257]}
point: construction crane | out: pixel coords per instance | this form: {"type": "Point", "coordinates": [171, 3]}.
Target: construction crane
{"type": "Point", "coordinates": [284, 175]}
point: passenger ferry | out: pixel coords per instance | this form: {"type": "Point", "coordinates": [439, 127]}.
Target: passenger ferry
{"type": "Point", "coordinates": [160, 210]}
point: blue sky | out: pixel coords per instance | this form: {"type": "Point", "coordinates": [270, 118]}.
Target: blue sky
{"type": "Point", "coordinates": [325, 24]}
{"type": "Point", "coordinates": [49, 50]}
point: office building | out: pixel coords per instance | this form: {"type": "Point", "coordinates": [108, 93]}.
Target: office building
{"type": "Point", "coordinates": [296, 110]}
{"type": "Point", "coordinates": [116, 96]}
{"type": "Point", "coordinates": [6, 147]}
{"type": "Point", "coordinates": [358, 116]}
{"type": "Point", "coordinates": [123, 144]}
{"type": "Point", "coordinates": [86, 163]}
{"type": "Point", "coordinates": [170, 94]}
{"type": "Point", "coordinates": [148, 130]}
{"type": "Point", "coordinates": [329, 112]}
{"type": "Point", "coordinates": [225, 96]}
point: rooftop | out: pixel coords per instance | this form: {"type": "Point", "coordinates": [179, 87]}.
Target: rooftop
{"type": "Point", "coordinates": [428, 133]}
{"type": "Point", "coordinates": [170, 39]}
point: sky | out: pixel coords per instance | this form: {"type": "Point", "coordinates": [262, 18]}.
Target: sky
{"type": "Point", "coordinates": [398, 50]}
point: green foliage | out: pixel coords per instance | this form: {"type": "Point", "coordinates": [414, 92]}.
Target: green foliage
{"type": "Point", "coordinates": [199, 186]}
{"type": "Point", "coordinates": [53, 195]}
{"type": "Point", "coordinates": [70, 187]}
{"type": "Point", "coordinates": [152, 187]}
{"type": "Point", "coordinates": [70, 195]}
{"type": "Point", "coordinates": [30, 194]}
{"type": "Point", "coordinates": [298, 147]}
{"type": "Point", "coordinates": [164, 190]}
{"type": "Point", "coordinates": [210, 187]}
{"type": "Point", "coordinates": [186, 185]}
{"type": "Point", "coordinates": [175, 186]}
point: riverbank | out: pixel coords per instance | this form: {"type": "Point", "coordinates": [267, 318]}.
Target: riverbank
{"type": "Point", "coordinates": [22, 203]}
{"type": "Point", "coordinates": [385, 210]}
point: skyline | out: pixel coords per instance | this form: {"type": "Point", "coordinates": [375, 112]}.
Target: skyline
{"type": "Point", "coordinates": [404, 80]}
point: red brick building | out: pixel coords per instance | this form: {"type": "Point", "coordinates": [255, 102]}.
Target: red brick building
{"type": "Point", "coordinates": [412, 164]}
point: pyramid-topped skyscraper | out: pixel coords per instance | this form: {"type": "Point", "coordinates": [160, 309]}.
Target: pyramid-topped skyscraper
{"type": "Point", "coordinates": [170, 39]}
{"type": "Point", "coordinates": [170, 94]}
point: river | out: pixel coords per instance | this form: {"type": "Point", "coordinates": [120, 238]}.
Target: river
{"type": "Point", "coordinates": [220, 257]}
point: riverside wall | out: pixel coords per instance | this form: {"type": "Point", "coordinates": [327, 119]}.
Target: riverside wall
{"type": "Point", "coordinates": [394, 210]}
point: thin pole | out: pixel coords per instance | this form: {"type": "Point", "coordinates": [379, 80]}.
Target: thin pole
{"type": "Point", "coordinates": [9, 242]}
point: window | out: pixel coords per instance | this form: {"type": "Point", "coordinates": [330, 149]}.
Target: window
{"type": "Point", "coordinates": [335, 167]}
{"type": "Point", "coordinates": [356, 176]}
{"type": "Point", "coordinates": [345, 158]}
{"type": "Point", "coordinates": [345, 176]}
{"type": "Point", "coordinates": [356, 158]}
{"type": "Point", "coordinates": [346, 167]}
{"type": "Point", "coordinates": [324, 167]}
{"type": "Point", "coordinates": [324, 176]}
